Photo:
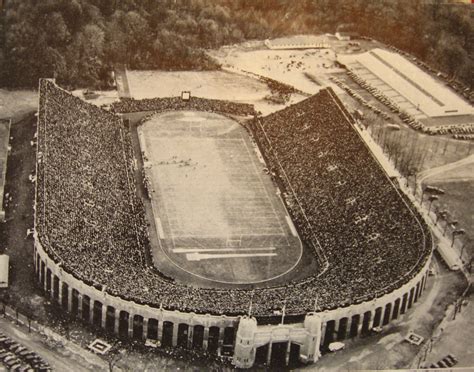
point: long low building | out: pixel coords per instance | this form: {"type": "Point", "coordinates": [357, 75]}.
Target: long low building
{"type": "Point", "coordinates": [91, 237]}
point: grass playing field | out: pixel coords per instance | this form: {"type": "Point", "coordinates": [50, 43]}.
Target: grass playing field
{"type": "Point", "coordinates": [217, 213]}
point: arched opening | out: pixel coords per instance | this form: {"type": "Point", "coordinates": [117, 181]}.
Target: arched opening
{"type": "Point", "coordinates": [86, 308]}
{"type": "Point", "coordinates": [42, 275]}
{"type": "Point", "coordinates": [341, 332]}
{"type": "Point", "coordinates": [183, 330]}
{"type": "Point", "coordinates": [213, 340]}
{"type": "Point", "coordinates": [387, 313]}
{"type": "Point", "coordinates": [56, 288]}
{"type": "Point", "coordinates": [329, 336]}
{"type": "Point", "coordinates": [261, 355]}
{"type": "Point", "coordinates": [404, 304]}
{"type": "Point", "coordinates": [198, 336]}
{"type": "Point", "coordinates": [279, 354]}
{"type": "Point", "coordinates": [137, 327]}
{"type": "Point", "coordinates": [366, 323]}
{"type": "Point", "coordinates": [167, 340]}
{"type": "Point", "coordinates": [48, 281]}
{"type": "Point", "coordinates": [75, 303]}
{"type": "Point", "coordinates": [396, 309]}
{"type": "Point", "coordinates": [228, 342]}
{"type": "Point", "coordinates": [152, 329]}
{"type": "Point", "coordinates": [294, 355]}
{"type": "Point", "coordinates": [377, 317]}
{"type": "Point", "coordinates": [65, 295]}
{"type": "Point", "coordinates": [410, 299]}
{"type": "Point", "coordinates": [97, 314]}
{"type": "Point", "coordinates": [123, 324]}
{"type": "Point", "coordinates": [110, 319]}
{"type": "Point", "coordinates": [354, 325]}
{"type": "Point", "coordinates": [417, 292]}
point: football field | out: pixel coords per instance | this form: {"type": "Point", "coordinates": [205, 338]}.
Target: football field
{"type": "Point", "coordinates": [217, 213]}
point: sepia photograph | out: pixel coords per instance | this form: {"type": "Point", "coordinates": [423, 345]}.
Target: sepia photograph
{"type": "Point", "coordinates": [236, 185]}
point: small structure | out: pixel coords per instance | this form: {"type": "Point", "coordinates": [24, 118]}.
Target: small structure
{"type": "Point", "coordinates": [185, 95]}
{"type": "Point", "coordinates": [4, 268]}
{"type": "Point", "coordinates": [346, 36]}
{"type": "Point", "coordinates": [99, 346]}
{"type": "Point", "coordinates": [414, 339]}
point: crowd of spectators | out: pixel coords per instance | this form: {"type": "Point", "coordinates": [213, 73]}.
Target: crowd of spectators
{"type": "Point", "coordinates": [126, 105]}
{"type": "Point", "coordinates": [89, 218]}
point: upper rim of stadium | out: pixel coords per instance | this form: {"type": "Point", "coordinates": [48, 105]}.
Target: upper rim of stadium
{"type": "Point", "coordinates": [83, 157]}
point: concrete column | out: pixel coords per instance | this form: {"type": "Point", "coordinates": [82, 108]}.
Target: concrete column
{"type": "Point", "coordinates": [190, 336]}
{"type": "Point", "coordinates": [145, 328]}
{"type": "Point", "coordinates": [220, 341]}
{"type": "Point", "coordinates": [360, 325]}
{"type": "Point", "coordinates": [160, 330]}
{"type": "Point", "coordinates": [288, 350]}
{"type": "Point", "coordinates": [205, 338]}
{"type": "Point", "coordinates": [60, 293]}
{"type": "Point", "coordinates": [130, 325]}
{"type": "Point", "coordinates": [103, 319]}
{"type": "Point", "coordinates": [175, 334]}
{"type": "Point", "coordinates": [336, 329]}
{"type": "Point", "coordinates": [269, 354]}
{"type": "Point", "coordinates": [69, 299]}
{"type": "Point", "coordinates": [323, 332]}
{"type": "Point", "coordinates": [52, 287]}
{"type": "Point", "coordinates": [46, 279]}
{"type": "Point", "coordinates": [116, 321]}
{"type": "Point", "coordinates": [371, 321]}
{"type": "Point", "coordinates": [79, 306]}
{"type": "Point", "coordinates": [91, 311]}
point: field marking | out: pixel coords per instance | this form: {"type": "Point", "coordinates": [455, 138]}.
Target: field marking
{"type": "Point", "coordinates": [199, 256]}
{"type": "Point", "coordinates": [263, 185]}
{"type": "Point", "coordinates": [199, 250]}
{"type": "Point", "coordinates": [161, 233]}
{"type": "Point", "coordinates": [165, 244]}
{"type": "Point", "coordinates": [291, 225]}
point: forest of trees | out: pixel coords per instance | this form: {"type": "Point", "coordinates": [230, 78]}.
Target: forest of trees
{"type": "Point", "coordinates": [80, 41]}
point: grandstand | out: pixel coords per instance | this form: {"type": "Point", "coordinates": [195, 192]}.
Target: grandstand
{"type": "Point", "coordinates": [91, 235]}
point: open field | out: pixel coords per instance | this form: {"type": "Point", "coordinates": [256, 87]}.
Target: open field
{"type": "Point", "coordinates": [217, 214]}
{"type": "Point", "coordinates": [406, 84]}
{"type": "Point", "coordinates": [16, 103]}
{"type": "Point", "coordinates": [287, 66]}
{"type": "Point", "coordinates": [206, 84]}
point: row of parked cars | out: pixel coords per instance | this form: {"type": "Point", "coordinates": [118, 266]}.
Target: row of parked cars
{"type": "Point", "coordinates": [18, 358]}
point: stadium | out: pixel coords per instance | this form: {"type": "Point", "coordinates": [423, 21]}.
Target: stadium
{"type": "Point", "coordinates": [261, 238]}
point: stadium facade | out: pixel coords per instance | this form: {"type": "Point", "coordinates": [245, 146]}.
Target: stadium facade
{"type": "Point", "coordinates": [245, 334]}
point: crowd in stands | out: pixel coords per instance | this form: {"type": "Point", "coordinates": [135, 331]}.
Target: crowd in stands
{"type": "Point", "coordinates": [176, 103]}
{"type": "Point", "coordinates": [89, 218]}
{"type": "Point", "coordinates": [407, 118]}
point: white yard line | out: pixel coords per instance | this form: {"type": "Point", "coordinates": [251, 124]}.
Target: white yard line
{"type": "Point", "coordinates": [199, 256]}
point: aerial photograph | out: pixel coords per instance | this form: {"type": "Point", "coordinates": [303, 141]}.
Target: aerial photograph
{"type": "Point", "coordinates": [236, 185]}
